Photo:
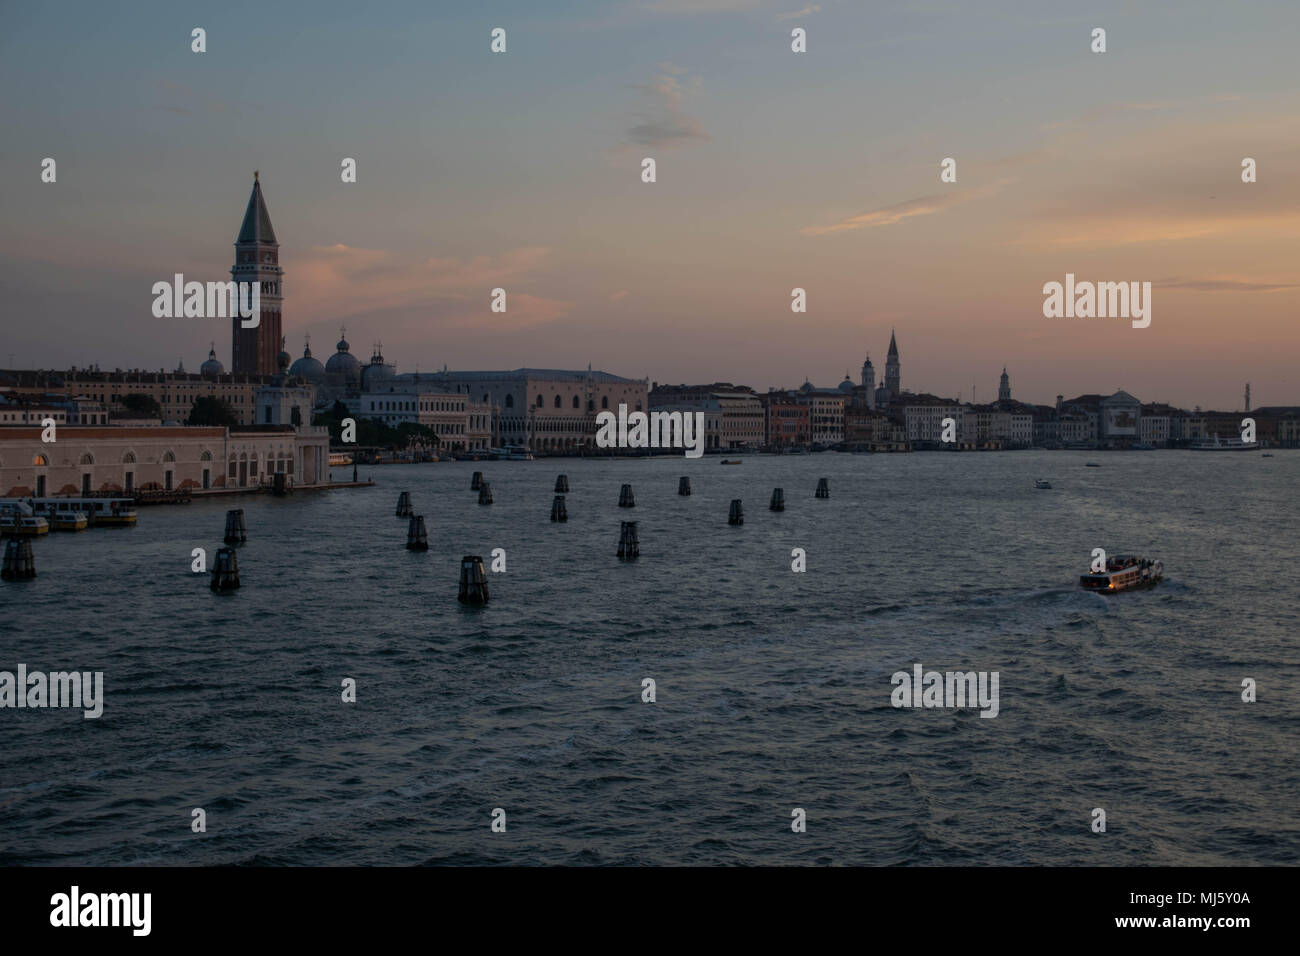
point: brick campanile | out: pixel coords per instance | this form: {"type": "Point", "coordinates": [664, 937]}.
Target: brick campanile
{"type": "Point", "coordinates": [257, 259]}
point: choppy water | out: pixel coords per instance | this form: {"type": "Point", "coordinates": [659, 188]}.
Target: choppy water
{"type": "Point", "coordinates": [773, 687]}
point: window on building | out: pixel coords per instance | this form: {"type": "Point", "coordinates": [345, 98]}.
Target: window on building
{"type": "Point", "coordinates": [604, 401]}
{"type": "Point", "coordinates": [510, 401]}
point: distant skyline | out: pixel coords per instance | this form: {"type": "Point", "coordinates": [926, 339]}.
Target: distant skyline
{"type": "Point", "coordinates": [776, 170]}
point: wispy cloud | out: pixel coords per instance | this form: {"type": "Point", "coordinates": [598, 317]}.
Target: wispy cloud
{"type": "Point", "coordinates": [698, 6]}
{"type": "Point", "coordinates": [891, 215]}
{"type": "Point", "coordinates": [666, 125]}
{"type": "Point", "coordinates": [795, 15]}
{"type": "Point", "coordinates": [340, 280]}
{"type": "Point", "coordinates": [1225, 285]}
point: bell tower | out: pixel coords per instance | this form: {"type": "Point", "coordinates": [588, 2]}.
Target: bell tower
{"type": "Point", "coordinates": [257, 259]}
{"type": "Point", "coordinates": [893, 376]}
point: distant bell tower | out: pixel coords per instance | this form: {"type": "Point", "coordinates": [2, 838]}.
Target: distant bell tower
{"type": "Point", "coordinates": [1248, 396]}
{"type": "Point", "coordinates": [893, 377]}
{"type": "Point", "coordinates": [869, 381]}
{"type": "Point", "coordinates": [1004, 387]}
{"type": "Point", "coordinates": [257, 259]}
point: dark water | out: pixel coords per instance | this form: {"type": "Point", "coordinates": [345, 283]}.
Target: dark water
{"type": "Point", "coordinates": [773, 687]}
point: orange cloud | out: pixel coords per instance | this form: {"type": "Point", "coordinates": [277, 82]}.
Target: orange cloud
{"type": "Point", "coordinates": [340, 280]}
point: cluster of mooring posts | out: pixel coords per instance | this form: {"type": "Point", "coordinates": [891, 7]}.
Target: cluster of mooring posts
{"type": "Point", "coordinates": [225, 566]}
{"type": "Point", "coordinates": [473, 588]}
{"type": "Point", "coordinates": [19, 563]}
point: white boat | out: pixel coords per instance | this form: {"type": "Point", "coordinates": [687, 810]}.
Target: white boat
{"type": "Point", "coordinates": [518, 453]}
{"type": "Point", "coordinates": [1222, 444]}
{"type": "Point", "coordinates": [98, 511]}
{"type": "Point", "coordinates": [19, 520]}
{"type": "Point", "coordinates": [1124, 572]}
{"type": "Point", "coordinates": [1042, 483]}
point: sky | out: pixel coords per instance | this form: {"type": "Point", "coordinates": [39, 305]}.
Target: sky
{"type": "Point", "coordinates": [775, 170]}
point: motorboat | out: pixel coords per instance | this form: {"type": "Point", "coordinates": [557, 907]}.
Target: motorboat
{"type": "Point", "coordinates": [1124, 572]}
{"type": "Point", "coordinates": [18, 519]}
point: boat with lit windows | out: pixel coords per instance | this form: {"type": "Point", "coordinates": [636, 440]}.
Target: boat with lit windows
{"type": "Point", "coordinates": [97, 511]}
{"type": "Point", "coordinates": [1124, 572]}
{"type": "Point", "coordinates": [17, 519]}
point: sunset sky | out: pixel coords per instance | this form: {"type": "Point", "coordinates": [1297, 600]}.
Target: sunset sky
{"type": "Point", "coordinates": [775, 170]}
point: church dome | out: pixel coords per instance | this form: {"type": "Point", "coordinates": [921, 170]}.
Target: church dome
{"type": "Point", "coordinates": [344, 364]}
{"type": "Point", "coordinates": [308, 368]}
{"type": "Point", "coordinates": [846, 386]}
{"type": "Point", "coordinates": [212, 367]}
{"type": "Point", "coordinates": [375, 378]}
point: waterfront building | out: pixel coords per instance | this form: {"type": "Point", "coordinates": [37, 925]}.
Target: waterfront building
{"type": "Point", "coordinates": [1119, 418]}
{"type": "Point", "coordinates": [869, 429]}
{"type": "Point", "coordinates": [924, 415]}
{"type": "Point", "coordinates": [787, 421]}
{"type": "Point", "coordinates": [710, 408]}
{"type": "Point", "coordinates": [552, 411]}
{"type": "Point", "coordinates": [287, 400]}
{"type": "Point", "coordinates": [16, 412]}
{"type": "Point", "coordinates": [122, 460]}
{"type": "Point", "coordinates": [825, 411]}
{"type": "Point", "coordinates": [174, 392]}
{"type": "Point", "coordinates": [738, 413]}
{"type": "Point", "coordinates": [460, 423]}
{"type": "Point", "coordinates": [1079, 418]}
